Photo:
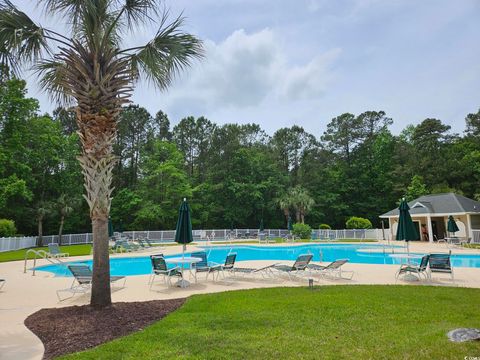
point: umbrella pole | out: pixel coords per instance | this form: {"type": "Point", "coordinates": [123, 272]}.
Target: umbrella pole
{"type": "Point", "coordinates": [183, 251]}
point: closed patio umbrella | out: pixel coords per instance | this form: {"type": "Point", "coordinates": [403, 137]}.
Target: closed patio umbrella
{"type": "Point", "coordinates": [289, 224]}
{"type": "Point", "coordinates": [183, 231]}
{"type": "Point", "coordinates": [406, 229]}
{"type": "Point", "coordinates": [262, 227]}
{"type": "Point", "coordinates": [452, 225]}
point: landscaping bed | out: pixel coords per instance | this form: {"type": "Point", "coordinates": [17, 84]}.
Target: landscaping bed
{"type": "Point", "coordinates": [76, 328]}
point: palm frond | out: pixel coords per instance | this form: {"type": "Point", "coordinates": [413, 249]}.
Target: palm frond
{"type": "Point", "coordinates": [139, 11]}
{"type": "Point", "coordinates": [160, 60]}
{"type": "Point", "coordinates": [22, 39]}
{"type": "Point", "coordinates": [53, 76]}
{"type": "Point", "coordinates": [71, 9]}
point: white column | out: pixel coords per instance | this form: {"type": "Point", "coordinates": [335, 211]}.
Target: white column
{"type": "Point", "coordinates": [430, 230]}
{"type": "Point", "coordinates": [469, 227]}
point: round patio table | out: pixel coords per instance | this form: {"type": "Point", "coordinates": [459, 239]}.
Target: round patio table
{"type": "Point", "coordinates": [409, 276]}
{"type": "Point", "coordinates": [182, 261]}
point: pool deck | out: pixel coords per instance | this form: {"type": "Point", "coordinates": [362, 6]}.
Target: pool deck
{"type": "Point", "coordinates": [24, 294]}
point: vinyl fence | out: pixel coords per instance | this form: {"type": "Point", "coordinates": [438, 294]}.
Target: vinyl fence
{"type": "Point", "coordinates": [161, 236]}
{"type": "Point", "coordinates": [15, 243]}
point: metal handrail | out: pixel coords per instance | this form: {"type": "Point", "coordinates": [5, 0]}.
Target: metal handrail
{"type": "Point", "coordinates": [41, 254]}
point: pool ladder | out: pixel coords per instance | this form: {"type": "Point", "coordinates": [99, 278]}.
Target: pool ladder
{"type": "Point", "coordinates": [40, 254]}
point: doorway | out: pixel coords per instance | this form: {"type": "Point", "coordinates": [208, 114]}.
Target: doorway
{"type": "Point", "coordinates": [438, 228]}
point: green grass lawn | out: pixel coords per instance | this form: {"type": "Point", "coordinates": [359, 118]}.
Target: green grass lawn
{"type": "Point", "coordinates": [73, 250]}
{"type": "Point", "coordinates": [331, 322]}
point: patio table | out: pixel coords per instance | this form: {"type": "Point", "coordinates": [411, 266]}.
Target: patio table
{"type": "Point", "coordinates": [182, 261]}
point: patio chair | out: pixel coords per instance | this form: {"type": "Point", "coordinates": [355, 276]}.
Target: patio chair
{"type": "Point", "coordinates": [229, 265]}
{"type": "Point", "coordinates": [203, 266]}
{"type": "Point", "coordinates": [82, 280]}
{"type": "Point", "coordinates": [289, 238]}
{"type": "Point", "coordinates": [300, 264]}
{"type": "Point", "coordinates": [2, 283]}
{"type": "Point", "coordinates": [159, 267]}
{"type": "Point", "coordinates": [54, 251]}
{"type": "Point", "coordinates": [421, 269]}
{"type": "Point", "coordinates": [440, 263]}
{"type": "Point", "coordinates": [334, 269]}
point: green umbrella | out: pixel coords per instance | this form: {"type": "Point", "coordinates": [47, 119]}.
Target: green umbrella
{"type": "Point", "coordinates": [406, 229]}
{"type": "Point", "coordinates": [452, 225]}
{"type": "Point", "coordinates": [262, 228]}
{"type": "Point", "coordinates": [183, 231]}
{"type": "Point", "coordinates": [290, 224]}
{"type": "Point", "coordinates": [110, 227]}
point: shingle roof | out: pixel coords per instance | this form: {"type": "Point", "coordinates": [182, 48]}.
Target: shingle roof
{"type": "Point", "coordinates": [448, 203]}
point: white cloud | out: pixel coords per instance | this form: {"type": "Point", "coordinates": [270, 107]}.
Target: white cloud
{"type": "Point", "coordinates": [246, 69]}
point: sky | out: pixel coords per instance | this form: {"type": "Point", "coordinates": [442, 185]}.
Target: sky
{"type": "Point", "coordinates": [280, 63]}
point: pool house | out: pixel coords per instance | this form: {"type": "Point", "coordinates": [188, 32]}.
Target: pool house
{"type": "Point", "coordinates": [430, 215]}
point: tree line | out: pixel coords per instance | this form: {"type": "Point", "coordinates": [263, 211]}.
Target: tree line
{"type": "Point", "coordinates": [234, 175]}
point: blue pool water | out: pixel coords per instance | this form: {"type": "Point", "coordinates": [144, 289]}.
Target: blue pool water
{"type": "Point", "coordinates": [354, 252]}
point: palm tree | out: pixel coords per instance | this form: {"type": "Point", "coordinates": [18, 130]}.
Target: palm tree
{"type": "Point", "coordinates": [286, 203]}
{"type": "Point", "coordinates": [65, 208]}
{"type": "Point", "coordinates": [42, 210]}
{"type": "Point", "coordinates": [91, 69]}
{"type": "Point", "coordinates": [302, 202]}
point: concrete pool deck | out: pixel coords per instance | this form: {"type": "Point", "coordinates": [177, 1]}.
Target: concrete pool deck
{"type": "Point", "coordinates": [24, 294]}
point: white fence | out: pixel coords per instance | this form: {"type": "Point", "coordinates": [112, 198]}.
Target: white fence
{"type": "Point", "coordinates": [7, 244]}
{"type": "Point", "coordinates": [15, 243]}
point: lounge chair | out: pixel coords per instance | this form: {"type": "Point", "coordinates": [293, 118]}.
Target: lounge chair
{"type": "Point", "coordinates": [143, 243]}
{"type": "Point", "coordinates": [420, 269]}
{"type": "Point", "coordinates": [124, 245]}
{"type": "Point", "coordinates": [265, 272]}
{"type": "Point", "coordinates": [82, 280]}
{"type": "Point", "coordinates": [300, 265]}
{"type": "Point", "coordinates": [334, 269]}
{"type": "Point", "coordinates": [203, 266]}
{"type": "Point", "coordinates": [54, 251]}
{"type": "Point", "coordinates": [440, 263]}
{"type": "Point", "coordinates": [2, 283]}
{"type": "Point", "coordinates": [159, 267]}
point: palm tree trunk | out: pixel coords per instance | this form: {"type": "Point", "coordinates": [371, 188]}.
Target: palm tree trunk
{"type": "Point", "coordinates": [60, 230]}
{"type": "Point", "coordinates": [40, 232]}
{"type": "Point", "coordinates": [101, 295]}
{"type": "Point", "coordinates": [297, 215]}
{"type": "Point", "coordinates": [97, 134]}
{"type": "Point", "coordinates": [286, 212]}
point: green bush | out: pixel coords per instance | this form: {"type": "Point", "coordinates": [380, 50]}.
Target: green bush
{"type": "Point", "coordinates": [302, 231]}
{"type": "Point", "coordinates": [358, 223]}
{"type": "Point", "coordinates": [324, 227]}
{"type": "Point", "coordinates": [7, 228]}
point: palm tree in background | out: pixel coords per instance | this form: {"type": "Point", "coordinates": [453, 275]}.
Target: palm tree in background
{"type": "Point", "coordinates": [285, 202]}
{"type": "Point", "coordinates": [302, 202]}
{"type": "Point", "coordinates": [89, 68]}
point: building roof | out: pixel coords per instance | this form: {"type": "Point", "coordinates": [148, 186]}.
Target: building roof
{"type": "Point", "coordinates": [448, 203]}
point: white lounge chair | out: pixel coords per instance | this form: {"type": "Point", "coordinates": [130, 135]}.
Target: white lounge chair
{"type": "Point", "coordinates": [334, 269]}
{"type": "Point", "coordinates": [54, 251]}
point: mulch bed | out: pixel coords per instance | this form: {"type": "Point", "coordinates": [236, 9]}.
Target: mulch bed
{"type": "Point", "coordinates": [76, 328]}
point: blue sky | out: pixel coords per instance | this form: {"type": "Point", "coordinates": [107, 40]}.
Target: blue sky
{"type": "Point", "coordinates": [284, 62]}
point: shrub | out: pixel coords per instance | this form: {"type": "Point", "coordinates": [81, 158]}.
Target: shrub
{"type": "Point", "coordinates": [303, 231]}
{"type": "Point", "coordinates": [358, 223]}
{"type": "Point", "coordinates": [324, 227]}
{"type": "Point", "coordinates": [7, 228]}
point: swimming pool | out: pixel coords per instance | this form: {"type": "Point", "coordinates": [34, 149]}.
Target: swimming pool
{"type": "Point", "coordinates": [356, 253]}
